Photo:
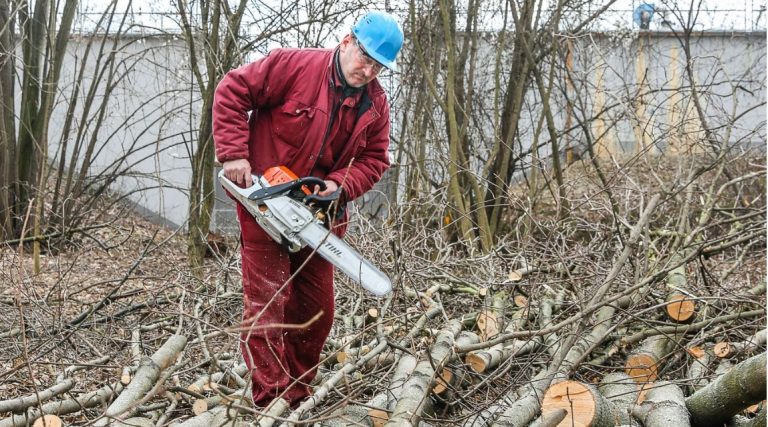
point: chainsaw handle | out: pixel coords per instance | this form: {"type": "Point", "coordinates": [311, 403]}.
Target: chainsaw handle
{"type": "Point", "coordinates": [322, 201]}
{"type": "Point", "coordinates": [269, 192]}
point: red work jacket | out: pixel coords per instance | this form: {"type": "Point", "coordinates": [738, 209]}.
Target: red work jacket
{"type": "Point", "coordinates": [276, 111]}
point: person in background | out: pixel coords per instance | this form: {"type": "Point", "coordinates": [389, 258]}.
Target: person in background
{"type": "Point", "coordinates": [322, 113]}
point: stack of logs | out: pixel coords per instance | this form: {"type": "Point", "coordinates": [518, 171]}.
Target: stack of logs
{"type": "Point", "coordinates": [430, 369]}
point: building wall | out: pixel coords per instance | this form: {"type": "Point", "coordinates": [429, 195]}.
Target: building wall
{"type": "Point", "coordinates": [634, 89]}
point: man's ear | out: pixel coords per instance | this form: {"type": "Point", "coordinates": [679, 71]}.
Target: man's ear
{"type": "Point", "coordinates": [346, 41]}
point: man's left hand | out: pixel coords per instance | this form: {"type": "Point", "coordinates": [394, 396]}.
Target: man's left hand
{"type": "Point", "coordinates": [330, 187]}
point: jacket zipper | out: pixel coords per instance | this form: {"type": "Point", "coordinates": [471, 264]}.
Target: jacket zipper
{"type": "Point", "coordinates": [334, 109]}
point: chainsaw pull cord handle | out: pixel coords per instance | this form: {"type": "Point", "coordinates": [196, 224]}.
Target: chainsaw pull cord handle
{"type": "Point", "coordinates": [280, 189]}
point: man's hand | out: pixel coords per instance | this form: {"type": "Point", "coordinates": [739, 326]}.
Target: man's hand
{"type": "Point", "coordinates": [238, 171]}
{"type": "Point", "coordinates": [330, 187]}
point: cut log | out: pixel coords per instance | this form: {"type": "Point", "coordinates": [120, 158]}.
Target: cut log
{"type": "Point", "coordinates": [680, 308]}
{"type": "Point", "coordinates": [485, 360]}
{"type": "Point", "coordinates": [520, 301]}
{"type": "Point", "coordinates": [134, 422]}
{"type": "Point", "coordinates": [550, 419]}
{"type": "Point", "coordinates": [447, 380]}
{"type": "Point", "coordinates": [623, 392]}
{"type": "Point", "coordinates": [48, 421]}
{"type": "Point", "coordinates": [219, 416]}
{"type": "Point", "coordinates": [729, 394]}
{"type": "Point", "coordinates": [272, 411]}
{"type": "Point", "coordinates": [490, 320]}
{"type": "Point", "coordinates": [204, 382]}
{"type": "Point", "coordinates": [20, 404]}
{"type": "Point", "coordinates": [584, 405]}
{"type": "Point", "coordinates": [699, 368]}
{"type": "Point", "coordinates": [382, 404]}
{"type": "Point", "coordinates": [527, 402]}
{"type": "Point", "coordinates": [145, 379]}
{"type": "Point", "coordinates": [322, 392]}
{"type": "Point", "coordinates": [664, 406]}
{"type": "Point", "coordinates": [378, 412]}
{"type": "Point", "coordinates": [643, 364]}
{"type": "Point", "coordinates": [750, 345]}
{"type": "Point", "coordinates": [89, 400]}
{"type": "Point", "coordinates": [415, 398]}
{"type": "Point", "coordinates": [351, 353]}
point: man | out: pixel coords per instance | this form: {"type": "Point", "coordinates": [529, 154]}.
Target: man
{"type": "Point", "coordinates": [322, 113]}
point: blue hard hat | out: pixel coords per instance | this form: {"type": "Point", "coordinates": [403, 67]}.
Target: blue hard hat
{"type": "Point", "coordinates": [381, 37]}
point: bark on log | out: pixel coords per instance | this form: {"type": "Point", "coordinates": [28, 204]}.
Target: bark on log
{"type": "Point", "coordinates": [623, 392]}
{"type": "Point", "coordinates": [550, 419]}
{"type": "Point", "coordinates": [134, 422]}
{"type": "Point", "coordinates": [204, 382]}
{"type": "Point", "coordinates": [382, 404]}
{"type": "Point", "coordinates": [699, 370]}
{"type": "Point", "coordinates": [385, 402]}
{"type": "Point", "coordinates": [348, 416]}
{"type": "Point", "coordinates": [147, 375]}
{"type": "Point", "coordinates": [453, 378]}
{"type": "Point", "coordinates": [490, 320]}
{"type": "Point", "coordinates": [584, 404]}
{"type": "Point", "coordinates": [485, 360]}
{"type": "Point", "coordinates": [524, 409]}
{"type": "Point", "coordinates": [664, 406]}
{"type": "Point", "coordinates": [416, 390]}
{"type": "Point", "coordinates": [275, 409]}
{"type": "Point", "coordinates": [690, 328]}
{"type": "Point", "coordinates": [20, 404]}
{"type": "Point", "coordinates": [551, 340]}
{"type": "Point", "coordinates": [723, 398]}
{"type": "Point", "coordinates": [680, 307]}
{"type": "Point", "coordinates": [758, 421]}
{"type": "Point", "coordinates": [219, 416]}
{"type": "Point", "coordinates": [88, 400]}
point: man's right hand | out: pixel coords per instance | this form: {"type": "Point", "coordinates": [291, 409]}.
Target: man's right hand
{"type": "Point", "coordinates": [238, 171]}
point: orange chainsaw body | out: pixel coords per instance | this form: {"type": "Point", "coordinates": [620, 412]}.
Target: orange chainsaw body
{"type": "Point", "coordinates": [280, 175]}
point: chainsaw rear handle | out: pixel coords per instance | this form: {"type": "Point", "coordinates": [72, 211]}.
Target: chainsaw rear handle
{"type": "Point", "coordinates": [323, 202]}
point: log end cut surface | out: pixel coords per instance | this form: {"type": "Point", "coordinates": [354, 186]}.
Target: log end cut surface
{"type": "Point", "coordinates": [641, 367]}
{"type": "Point", "coordinates": [723, 349]}
{"type": "Point", "coordinates": [575, 398]}
{"type": "Point", "coordinates": [48, 421]}
{"type": "Point", "coordinates": [442, 382]}
{"type": "Point", "coordinates": [680, 309]}
{"type": "Point", "coordinates": [476, 362]}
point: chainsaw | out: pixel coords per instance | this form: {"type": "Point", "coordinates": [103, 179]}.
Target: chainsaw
{"type": "Point", "coordinates": [292, 215]}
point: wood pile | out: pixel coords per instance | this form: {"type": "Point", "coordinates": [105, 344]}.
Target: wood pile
{"type": "Point", "coordinates": [587, 322]}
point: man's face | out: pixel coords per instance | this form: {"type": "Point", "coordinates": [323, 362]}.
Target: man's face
{"type": "Point", "coordinates": [358, 68]}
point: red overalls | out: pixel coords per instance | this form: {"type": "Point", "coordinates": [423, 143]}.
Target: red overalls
{"type": "Point", "coordinates": [292, 95]}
